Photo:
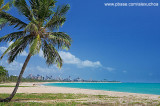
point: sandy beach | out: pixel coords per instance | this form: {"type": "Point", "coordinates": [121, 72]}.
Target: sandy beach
{"type": "Point", "coordinates": [37, 87]}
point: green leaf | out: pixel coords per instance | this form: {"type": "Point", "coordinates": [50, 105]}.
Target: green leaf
{"type": "Point", "coordinates": [19, 48]}
{"type": "Point", "coordinates": [55, 23]}
{"type": "Point", "coordinates": [5, 7]}
{"type": "Point", "coordinates": [11, 20]}
{"type": "Point", "coordinates": [24, 9]}
{"type": "Point", "coordinates": [12, 36]}
{"type": "Point", "coordinates": [61, 39]}
{"type": "Point", "coordinates": [51, 54]}
{"type": "Point", "coordinates": [1, 2]}
{"type": "Point", "coordinates": [62, 10]}
{"type": "Point", "coordinates": [36, 45]}
{"type": "Point", "coordinates": [11, 46]}
{"type": "Point", "coordinates": [31, 27]}
{"type": "Point", "coordinates": [42, 9]}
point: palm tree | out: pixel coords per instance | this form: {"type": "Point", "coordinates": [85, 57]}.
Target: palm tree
{"type": "Point", "coordinates": [4, 7]}
{"type": "Point", "coordinates": [40, 33]}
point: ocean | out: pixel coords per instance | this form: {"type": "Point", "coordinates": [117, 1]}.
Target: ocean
{"type": "Point", "coordinates": [143, 88]}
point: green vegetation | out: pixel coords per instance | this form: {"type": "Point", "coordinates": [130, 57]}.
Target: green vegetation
{"type": "Point", "coordinates": [136, 103]}
{"type": "Point", "coordinates": [40, 104]}
{"type": "Point", "coordinates": [3, 74]}
{"type": "Point", "coordinates": [45, 96]}
{"type": "Point", "coordinates": [59, 99]}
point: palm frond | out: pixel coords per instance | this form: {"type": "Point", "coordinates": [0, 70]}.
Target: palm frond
{"type": "Point", "coordinates": [36, 45]}
{"type": "Point", "coordinates": [51, 54]}
{"type": "Point", "coordinates": [11, 47]}
{"type": "Point", "coordinates": [12, 36]}
{"type": "Point", "coordinates": [24, 9]}
{"type": "Point", "coordinates": [62, 10]}
{"type": "Point", "coordinates": [5, 7]}
{"type": "Point", "coordinates": [58, 18]}
{"type": "Point", "coordinates": [42, 9]}
{"type": "Point", "coordinates": [11, 20]}
{"type": "Point", "coordinates": [1, 2]}
{"type": "Point", "coordinates": [61, 39]}
{"type": "Point", "coordinates": [55, 22]}
{"type": "Point", "coordinates": [19, 48]}
{"type": "Point", "coordinates": [31, 27]}
{"type": "Point", "coordinates": [2, 23]}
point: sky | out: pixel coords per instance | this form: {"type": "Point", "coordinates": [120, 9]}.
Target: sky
{"type": "Point", "coordinates": [113, 43]}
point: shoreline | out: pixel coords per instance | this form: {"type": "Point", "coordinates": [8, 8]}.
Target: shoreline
{"type": "Point", "coordinates": [40, 88]}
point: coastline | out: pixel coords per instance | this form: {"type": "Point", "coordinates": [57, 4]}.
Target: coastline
{"type": "Point", "coordinates": [38, 87]}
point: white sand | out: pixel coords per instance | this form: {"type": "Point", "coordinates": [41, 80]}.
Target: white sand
{"type": "Point", "coordinates": [38, 88]}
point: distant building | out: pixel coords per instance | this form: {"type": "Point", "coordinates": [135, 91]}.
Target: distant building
{"type": "Point", "coordinates": [68, 79]}
{"type": "Point", "coordinates": [59, 79]}
{"type": "Point", "coordinates": [29, 76]}
{"type": "Point", "coordinates": [78, 80]}
{"type": "Point", "coordinates": [39, 77]}
{"type": "Point", "coordinates": [48, 78]}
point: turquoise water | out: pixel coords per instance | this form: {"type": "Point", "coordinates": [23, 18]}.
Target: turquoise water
{"type": "Point", "coordinates": [144, 88]}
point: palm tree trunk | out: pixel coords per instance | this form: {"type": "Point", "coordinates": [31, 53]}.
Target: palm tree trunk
{"type": "Point", "coordinates": [18, 81]}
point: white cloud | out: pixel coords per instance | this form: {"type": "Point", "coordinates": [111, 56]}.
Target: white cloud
{"type": "Point", "coordinates": [42, 70]}
{"type": "Point", "coordinates": [124, 71]}
{"type": "Point", "coordinates": [13, 68]}
{"type": "Point", "coordinates": [41, 53]}
{"type": "Point", "coordinates": [150, 74]}
{"type": "Point", "coordinates": [109, 68]}
{"type": "Point", "coordinates": [88, 63]}
{"type": "Point", "coordinates": [46, 69]}
{"type": "Point", "coordinates": [68, 58]}
{"type": "Point", "coordinates": [9, 43]}
{"type": "Point", "coordinates": [3, 49]}
{"type": "Point", "coordinates": [24, 53]}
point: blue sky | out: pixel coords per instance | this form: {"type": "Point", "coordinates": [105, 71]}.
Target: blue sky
{"type": "Point", "coordinates": [114, 43]}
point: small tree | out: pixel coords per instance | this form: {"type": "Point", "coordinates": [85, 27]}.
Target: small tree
{"type": "Point", "coordinates": [3, 74]}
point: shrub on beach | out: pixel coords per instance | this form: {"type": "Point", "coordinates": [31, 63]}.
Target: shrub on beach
{"type": "Point", "coordinates": [3, 74]}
